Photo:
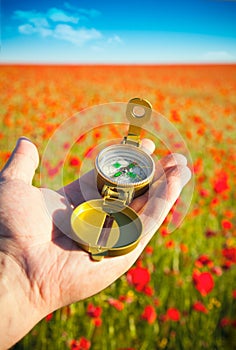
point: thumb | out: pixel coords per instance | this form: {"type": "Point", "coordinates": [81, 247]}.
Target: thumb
{"type": "Point", "coordinates": [22, 163]}
{"type": "Point", "coordinates": [148, 146]}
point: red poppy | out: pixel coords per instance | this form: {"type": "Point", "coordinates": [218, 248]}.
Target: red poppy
{"type": "Point", "coordinates": [183, 248]}
{"type": "Point", "coordinates": [94, 311]}
{"type": "Point", "coordinates": [149, 314]}
{"type": "Point", "coordinates": [6, 156]}
{"type": "Point", "coordinates": [227, 265]}
{"type": "Point", "coordinates": [48, 130]}
{"type": "Point", "coordinates": [203, 282]}
{"type": "Point", "coordinates": [203, 260]}
{"type": "Point", "coordinates": [84, 343]}
{"type": "Point", "coordinates": [210, 233]}
{"type": "Point", "coordinates": [197, 119]}
{"type": "Point", "coordinates": [74, 161]}
{"type": "Point", "coordinates": [49, 317]}
{"type": "Point", "coordinates": [74, 345]}
{"type": "Point", "coordinates": [148, 290]}
{"type": "Point", "coordinates": [230, 254]}
{"type": "Point", "coordinates": [81, 344]}
{"type": "Point", "coordinates": [204, 192]}
{"type": "Point", "coordinates": [196, 212]}
{"type": "Point", "coordinates": [139, 277]}
{"type": "Point", "coordinates": [97, 321]}
{"type": "Point", "coordinates": [200, 307]}
{"type": "Point", "coordinates": [97, 134]}
{"type": "Point", "coordinates": [175, 116]}
{"type": "Point", "coordinates": [198, 166]}
{"type": "Point", "coordinates": [173, 314]}
{"type": "Point", "coordinates": [225, 321]}
{"type": "Point", "coordinates": [117, 304]}
{"type": "Point", "coordinates": [127, 298]}
{"type": "Point", "coordinates": [217, 270]}
{"type": "Point", "coordinates": [170, 244]}
{"type": "Point", "coordinates": [164, 232]}
{"type": "Point", "coordinates": [221, 183]}
{"type": "Point", "coordinates": [229, 213]}
{"type": "Point", "coordinates": [149, 250]}
{"type": "Point", "coordinates": [226, 224]}
{"type": "Point", "coordinates": [201, 131]}
{"type": "Point", "coordinates": [215, 201]}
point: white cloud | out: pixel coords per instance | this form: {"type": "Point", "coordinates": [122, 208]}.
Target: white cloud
{"type": "Point", "coordinates": [36, 18]}
{"type": "Point", "coordinates": [76, 36]}
{"type": "Point", "coordinates": [63, 24]}
{"type": "Point", "coordinates": [26, 29]}
{"type": "Point", "coordinates": [39, 22]}
{"type": "Point", "coordinates": [57, 15]}
{"type": "Point", "coordinates": [53, 14]}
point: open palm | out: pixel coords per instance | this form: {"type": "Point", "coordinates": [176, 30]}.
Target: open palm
{"type": "Point", "coordinates": [51, 268]}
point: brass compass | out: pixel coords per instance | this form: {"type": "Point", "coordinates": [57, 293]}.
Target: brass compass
{"type": "Point", "coordinates": [108, 226]}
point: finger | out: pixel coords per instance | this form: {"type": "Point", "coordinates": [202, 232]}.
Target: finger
{"type": "Point", "coordinates": [22, 163]}
{"type": "Point", "coordinates": [169, 161]}
{"type": "Point", "coordinates": [148, 146]}
{"type": "Point", "coordinates": [165, 164]}
{"type": "Point", "coordinates": [169, 186]}
{"type": "Point", "coordinates": [164, 194]}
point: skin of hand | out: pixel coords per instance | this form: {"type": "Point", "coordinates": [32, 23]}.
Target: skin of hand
{"type": "Point", "coordinates": [41, 268]}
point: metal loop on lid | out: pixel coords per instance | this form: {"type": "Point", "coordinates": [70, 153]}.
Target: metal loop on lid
{"type": "Point", "coordinates": [138, 112]}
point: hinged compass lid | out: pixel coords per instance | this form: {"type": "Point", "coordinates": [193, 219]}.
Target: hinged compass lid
{"type": "Point", "coordinates": [106, 229]}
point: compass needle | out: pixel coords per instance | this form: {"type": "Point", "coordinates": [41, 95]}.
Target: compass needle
{"type": "Point", "coordinates": [132, 175]}
{"type": "Point", "coordinates": [117, 174]}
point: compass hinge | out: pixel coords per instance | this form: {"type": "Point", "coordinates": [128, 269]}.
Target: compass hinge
{"type": "Point", "coordinates": [133, 137]}
{"type": "Point", "coordinates": [117, 198]}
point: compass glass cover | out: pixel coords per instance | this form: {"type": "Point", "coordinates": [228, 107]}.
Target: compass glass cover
{"type": "Point", "coordinates": [125, 164]}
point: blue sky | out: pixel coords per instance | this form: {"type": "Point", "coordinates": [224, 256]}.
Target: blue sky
{"type": "Point", "coordinates": [149, 31]}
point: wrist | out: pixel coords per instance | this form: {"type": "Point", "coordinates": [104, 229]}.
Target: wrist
{"type": "Point", "coordinates": [21, 307]}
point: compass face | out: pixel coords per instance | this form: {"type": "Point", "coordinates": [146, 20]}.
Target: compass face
{"type": "Point", "coordinates": [125, 165]}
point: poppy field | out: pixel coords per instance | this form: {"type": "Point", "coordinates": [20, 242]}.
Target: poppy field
{"type": "Point", "coordinates": [181, 292]}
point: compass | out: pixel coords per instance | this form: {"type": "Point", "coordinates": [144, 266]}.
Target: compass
{"type": "Point", "coordinates": [126, 166]}
{"type": "Point", "coordinates": [109, 226]}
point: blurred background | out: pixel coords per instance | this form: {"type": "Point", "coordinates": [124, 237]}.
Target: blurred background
{"type": "Point", "coordinates": [58, 58]}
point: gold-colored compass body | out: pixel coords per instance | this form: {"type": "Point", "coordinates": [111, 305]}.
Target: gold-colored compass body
{"type": "Point", "coordinates": [108, 226]}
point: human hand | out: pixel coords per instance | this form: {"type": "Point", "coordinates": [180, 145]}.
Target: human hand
{"type": "Point", "coordinates": [41, 268]}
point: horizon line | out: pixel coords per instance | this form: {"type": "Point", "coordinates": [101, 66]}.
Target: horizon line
{"type": "Point", "coordinates": [14, 63]}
